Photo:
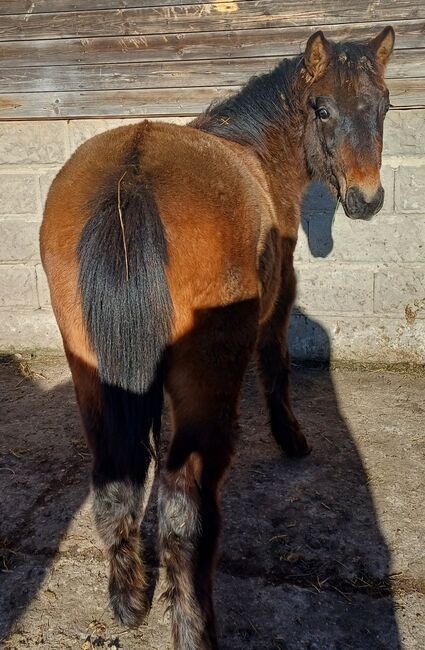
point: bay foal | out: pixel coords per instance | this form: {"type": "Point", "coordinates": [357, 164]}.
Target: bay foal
{"type": "Point", "coordinates": [169, 255]}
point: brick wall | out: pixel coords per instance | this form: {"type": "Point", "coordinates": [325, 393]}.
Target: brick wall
{"type": "Point", "coordinates": [361, 285]}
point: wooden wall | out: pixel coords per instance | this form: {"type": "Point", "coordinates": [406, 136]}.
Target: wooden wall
{"type": "Point", "coordinates": [95, 58]}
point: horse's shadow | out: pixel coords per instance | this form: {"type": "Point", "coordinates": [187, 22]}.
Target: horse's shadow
{"type": "Point", "coordinates": [43, 481]}
{"type": "Point", "coordinates": [303, 562]}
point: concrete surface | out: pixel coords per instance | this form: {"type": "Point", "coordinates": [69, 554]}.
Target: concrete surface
{"type": "Point", "coordinates": [362, 283]}
{"type": "Point", "coordinates": [322, 554]}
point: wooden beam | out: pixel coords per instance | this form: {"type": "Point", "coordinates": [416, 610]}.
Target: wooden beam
{"type": "Point", "coordinates": [323, 11]}
{"type": "Point", "coordinates": [153, 102]}
{"type": "Point", "coordinates": [128, 103]}
{"type": "Point", "coordinates": [58, 6]}
{"type": "Point", "coordinates": [202, 45]}
{"type": "Point", "coordinates": [172, 74]}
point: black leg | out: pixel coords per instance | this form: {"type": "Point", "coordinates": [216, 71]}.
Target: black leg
{"type": "Point", "coordinates": [274, 370]}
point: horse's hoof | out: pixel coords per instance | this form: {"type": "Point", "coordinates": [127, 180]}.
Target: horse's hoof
{"type": "Point", "coordinates": [130, 608]}
{"type": "Point", "coordinates": [297, 447]}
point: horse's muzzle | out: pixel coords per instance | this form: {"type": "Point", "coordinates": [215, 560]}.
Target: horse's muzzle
{"type": "Point", "coordinates": [356, 205]}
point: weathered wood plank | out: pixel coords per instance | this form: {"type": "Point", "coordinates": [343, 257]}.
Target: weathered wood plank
{"type": "Point", "coordinates": [407, 93]}
{"type": "Point", "coordinates": [182, 101]}
{"type": "Point", "coordinates": [8, 7]}
{"type": "Point", "coordinates": [153, 102]}
{"type": "Point", "coordinates": [323, 11]}
{"type": "Point", "coordinates": [207, 17]}
{"type": "Point", "coordinates": [173, 74]}
{"type": "Point", "coordinates": [206, 45]}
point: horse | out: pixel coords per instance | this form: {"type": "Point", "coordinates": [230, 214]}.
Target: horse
{"type": "Point", "coordinates": [169, 256]}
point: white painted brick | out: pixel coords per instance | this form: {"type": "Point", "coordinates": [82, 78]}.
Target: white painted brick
{"type": "Point", "coordinates": [383, 239]}
{"type": "Point", "coordinates": [387, 180]}
{"type": "Point", "coordinates": [402, 290]}
{"type": "Point", "coordinates": [46, 179]}
{"type": "Point", "coordinates": [357, 338]}
{"type": "Point", "coordinates": [19, 241]}
{"type": "Point", "coordinates": [301, 253]}
{"type": "Point", "coordinates": [333, 289]}
{"type": "Point", "coordinates": [42, 287]}
{"type": "Point", "coordinates": [404, 132]}
{"type": "Point", "coordinates": [25, 143]}
{"type": "Point", "coordinates": [17, 286]}
{"type": "Point", "coordinates": [82, 130]}
{"type": "Point", "coordinates": [410, 189]}
{"type": "Point", "coordinates": [29, 329]}
{"type": "Point", "coordinates": [18, 194]}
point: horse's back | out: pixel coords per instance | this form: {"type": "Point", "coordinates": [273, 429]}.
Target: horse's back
{"type": "Point", "coordinates": [213, 208]}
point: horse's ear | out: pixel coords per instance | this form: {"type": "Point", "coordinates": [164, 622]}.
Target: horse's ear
{"type": "Point", "coordinates": [317, 54]}
{"type": "Point", "coordinates": [383, 45]}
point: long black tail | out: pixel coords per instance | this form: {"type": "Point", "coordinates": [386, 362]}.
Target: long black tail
{"type": "Point", "coordinates": [127, 311]}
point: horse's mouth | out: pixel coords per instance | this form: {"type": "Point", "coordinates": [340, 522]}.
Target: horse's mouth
{"type": "Point", "coordinates": [357, 216]}
{"type": "Point", "coordinates": [356, 206]}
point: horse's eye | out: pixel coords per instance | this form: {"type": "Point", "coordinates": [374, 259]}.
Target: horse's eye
{"type": "Point", "coordinates": [323, 114]}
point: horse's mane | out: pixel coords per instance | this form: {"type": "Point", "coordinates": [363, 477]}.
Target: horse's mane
{"type": "Point", "coordinates": [264, 101]}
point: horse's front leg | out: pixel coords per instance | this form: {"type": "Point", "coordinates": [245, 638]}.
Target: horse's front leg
{"type": "Point", "coordinates": [274, 369]}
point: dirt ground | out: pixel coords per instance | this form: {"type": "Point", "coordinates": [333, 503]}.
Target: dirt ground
{"type": "Point", "coordinates": [326, 553]}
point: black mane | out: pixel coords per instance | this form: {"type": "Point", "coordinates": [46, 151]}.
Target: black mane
{"type": "Point", "coordinates": [265, 101]}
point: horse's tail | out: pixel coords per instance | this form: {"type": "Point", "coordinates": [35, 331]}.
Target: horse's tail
{"type": "Point", "coordinates": [127, 312]}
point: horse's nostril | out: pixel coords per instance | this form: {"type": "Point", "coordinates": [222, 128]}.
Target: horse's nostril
{"type": "Point", "coordinates": [352, 199]}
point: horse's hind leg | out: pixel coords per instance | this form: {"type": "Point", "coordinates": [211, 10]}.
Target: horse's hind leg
{"type": "Point", "coordinates": [204, 380]}
{"type": "Point", "coordinates": [274, 368]}
{"type": "Point", "coordinates": [118, 479]}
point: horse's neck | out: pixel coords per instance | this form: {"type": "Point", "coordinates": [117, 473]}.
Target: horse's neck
{"type": "Point", "coordinates": [286, 170]}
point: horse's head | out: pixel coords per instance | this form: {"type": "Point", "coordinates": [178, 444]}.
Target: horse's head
{"type": "Point", "coordinates": [346, 102]}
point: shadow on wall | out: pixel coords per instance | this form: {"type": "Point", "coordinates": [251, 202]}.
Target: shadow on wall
{"type": "Point", "coordinates": [304, 565]}
{"type": "Point", "coordinates": [308, 340]}
{"type": "Point", "coordinates": [320, 205]}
